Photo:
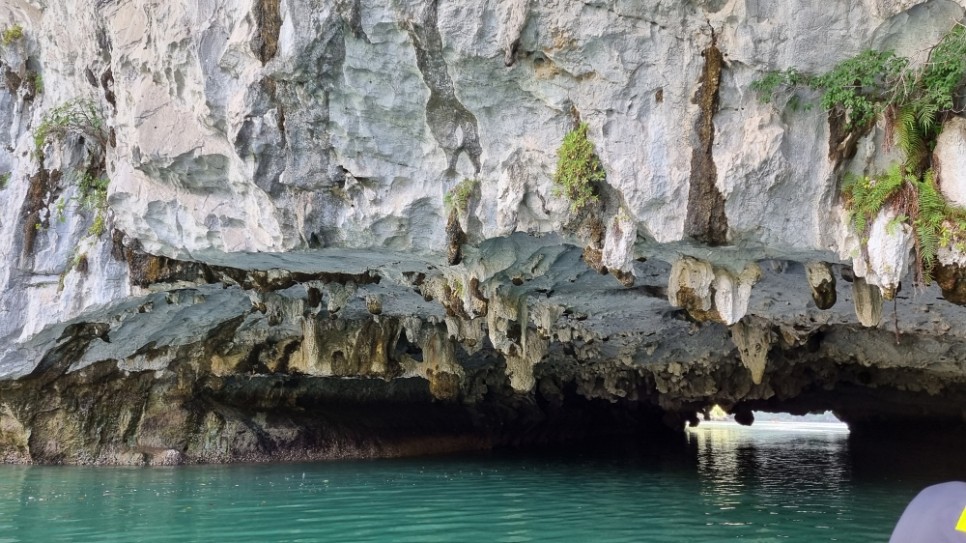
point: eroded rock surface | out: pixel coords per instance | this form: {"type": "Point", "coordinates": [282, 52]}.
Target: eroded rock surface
{"type": "Point", "coordinates": [273, 273]}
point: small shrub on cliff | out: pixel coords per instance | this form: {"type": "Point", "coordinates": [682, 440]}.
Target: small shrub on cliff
{"type": "Point", "coordinates": [76, 262]}
{"type": "Point", "coordinates": [578, 169]}
{"type": "Point", "coordinates": [4, 179]}
{"type": "Point", "coordinates": [80, 118]}
{"type": "Point", "coordinates": [11, 34]}
{"type": "Point", "coordinates": [459, 196]}
{"type": "Point", "coordinates": [76, 117]}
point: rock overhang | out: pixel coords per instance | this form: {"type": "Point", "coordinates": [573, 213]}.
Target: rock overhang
{"type": "Point", "coordinates": [303, 199]}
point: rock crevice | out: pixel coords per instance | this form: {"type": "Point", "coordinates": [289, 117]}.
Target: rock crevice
{"type": "Point", "coordinates": [706, 220]}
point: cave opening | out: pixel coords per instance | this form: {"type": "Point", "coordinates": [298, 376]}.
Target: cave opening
{"type": "Point", "coordinates": [718, 415]}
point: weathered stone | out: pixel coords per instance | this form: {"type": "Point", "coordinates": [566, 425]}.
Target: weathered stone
{"type": "Point", "coordinates": [887, 255]}
{"type": "Point", "coordinates": [868, 302]}
{"type": "Point", "coordinates": [230, 315]}
{"type": "Point", "coordinates": [950, 161]}
{"type": "Point", "coordinates": [268, 20]}
{"type": "Point", "coordinates": [821, 280]}
{"type": "Point", "coordinates": [843, 139]}
{"type": "Point", "coordinates": [690, 287]}
{"type": "Point", "coordinates": [14, 438]}
{"type": "Point", "coordinates": [733, 292]}
{"type": "Point", "coordinates": [711, 294]}
{"type": "Point", "coordinates": [374, 304]}
{"type": "Point", "coordinates": [618, 251]}
{"type": "Point", "coordinates": [753, 337]}
{"type": "Point", "coordinates": [952, 280]}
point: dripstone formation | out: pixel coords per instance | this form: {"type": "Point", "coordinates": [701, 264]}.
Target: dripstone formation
{"type": "Point", "coordinates": [225, 233]}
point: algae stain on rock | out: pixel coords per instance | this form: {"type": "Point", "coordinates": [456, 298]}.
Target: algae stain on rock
{"type": "Point", "coordinates": [706, 219]}
{"type": "Point", "coordinates": [455, 238]}
{"type": "Point", "coordinates": [268, 20]}
{"type": "Point", "coordinates": [14, 438]}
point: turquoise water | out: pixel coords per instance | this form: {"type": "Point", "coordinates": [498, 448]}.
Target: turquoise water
{"type": "Point", "coordinates": [724, 484]}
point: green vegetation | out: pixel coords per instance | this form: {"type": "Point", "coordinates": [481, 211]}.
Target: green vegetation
{"type": "Point", "coordinates": [458, 288]}
{"type": "Point", "coordinates": [867, 85]}
{"type": "Point", "coordinates": [60, 209]}
{"type": "Point", "coordinates": [459, 196]}
{"type": "Point", "coordinates": [76, 117]}
{"type": "Point", "coordinates": [80, 118]}
{"type": "Point", "coordinates": [4, 179]}
{"type": "Point", "coordinates": [917, 202]}
{"type": "Point", "coordinates": [914, 101]}
{"type": "Point", "coordinates": [858, 85]}
{"type": "Point", "coordinates": [865, 196]}
{"type": "Point", "coordinates": [93, 196]}
{"type": "Point", "coordinates": [38, 83]}
{"type": "Point", "coordinates": [11, 34]}
{"type": "Point", "coordinates": [578, 169]}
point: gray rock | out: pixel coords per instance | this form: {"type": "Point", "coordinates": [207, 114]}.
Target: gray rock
{"type": "Point", "coordinates": [275, 219]}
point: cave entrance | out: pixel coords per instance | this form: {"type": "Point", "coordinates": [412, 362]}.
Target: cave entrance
{"type": "Point", "coordinates": [774, 420]}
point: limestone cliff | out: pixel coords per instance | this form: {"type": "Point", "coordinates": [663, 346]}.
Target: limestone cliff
{"type": "Point", "coordinates": [238, 246]}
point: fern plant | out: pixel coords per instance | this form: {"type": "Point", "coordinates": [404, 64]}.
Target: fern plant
{"type": "Point", "coordinates": [862, 86]}
{"type": "Point", "coordinates": [929, 223]}
{"type": "Point", "coordinates": [872, 82]}
{"type": "Point", "coordinates": [93, 196]}
{"type": "Point", "coordinates": [914, 101]}
{"type": "Point", "coordinates": [917, 202]}
{"type": "Point", "coordinates": [929, 97]}
{"type": "Point", "coordinates": [38, 82]}
{"type": "Point", "coordinates": [865, 196]}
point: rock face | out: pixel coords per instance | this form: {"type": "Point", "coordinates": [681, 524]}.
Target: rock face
{"type": "Point", "coordinates": [270, 270]}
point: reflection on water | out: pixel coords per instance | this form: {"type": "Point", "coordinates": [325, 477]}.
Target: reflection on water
{"type": "Point", "coordinates": [721, 483]}
{"type": "Point", "coordinates": [763, 475]}
{"type": "Point", "coordinates": [770, 458]}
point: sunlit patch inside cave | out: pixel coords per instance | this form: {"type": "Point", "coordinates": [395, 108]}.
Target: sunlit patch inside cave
{"type": "Point", "coordinates": [771, 420]}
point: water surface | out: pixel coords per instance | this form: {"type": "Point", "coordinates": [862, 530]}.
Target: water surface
{"type": "Point", "coordinates": [774, 482]}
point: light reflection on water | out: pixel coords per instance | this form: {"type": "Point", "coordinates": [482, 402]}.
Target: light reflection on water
{"type": "Point", "coordinates": [777, 473]}
{"type": "Point", "coordinates": [720, 484]}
